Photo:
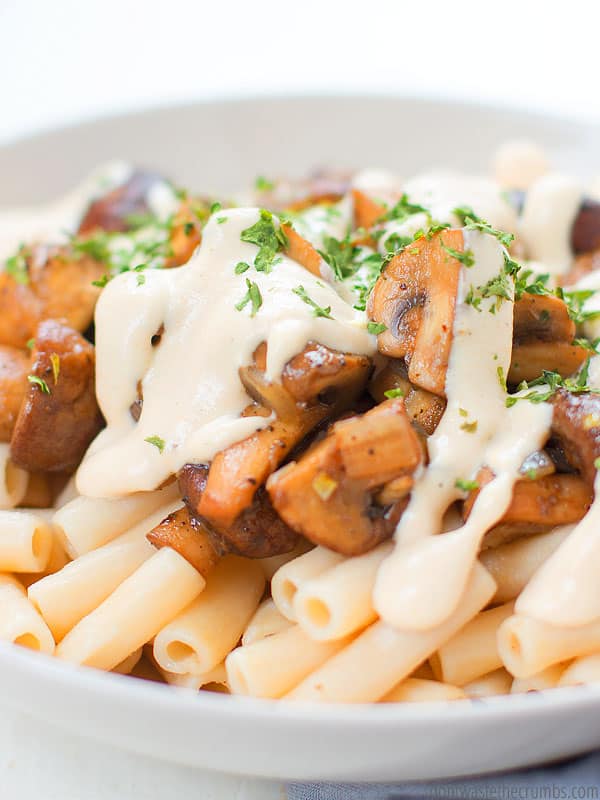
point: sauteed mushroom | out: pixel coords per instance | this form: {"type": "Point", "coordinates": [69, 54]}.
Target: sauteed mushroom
{"type": "Point", "coordinates": [59, 416]}
{"type": "Point", "coordinates": [112, 211]}
{"type": "Point", "coordinates": [189, 537]}
{"type": "Point", "coordinates": [576, 423]}
{"type": "Point", "coordinates": [349, 490]}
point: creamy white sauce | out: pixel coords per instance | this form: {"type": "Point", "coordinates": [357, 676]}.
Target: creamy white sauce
{"type": "Point", "coordinates": [380, 184]}
{"type": "Point", "coordinates": [421, 583]}
{"type": "Point", "coordinates": [321, 221]}
{"type": "Point", "coordinates": [518, 163]}
{"type": "Point", "coordinates": [550, 208]}
{"type": "Point", "coordinates": [192, 394]}
{"type": "Point", "coordinates": [441, 192]}
{"type": "Point", "coordinates": [54, 222]}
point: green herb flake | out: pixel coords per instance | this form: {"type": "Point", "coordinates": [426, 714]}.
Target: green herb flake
{"type": "Point", "coordinates": [252, 296]}
{"type": "Point", "coordinates": [221, 220]}
{"type": "Point", "coordinates": [531, 474]}
{"type": "Point", "coordinates": [16, 267]}
{"type": "Point", "coordinates": [34, 379]}
{"type": "Point", "coordinates": [340, 255]}
{"type": "Point", "coordinates": [216, 206]}
{"type": "Point", "coordinates": [376, 328]}
{"type": "Point", "coordinates": [466, 258]}
{"type": "Point", "coordinates": [597, 463]}
{"type": "Point", "coordinates": [501, 378]}
{"type": "Point", "coordinates": [469, 427]}
{"type": "Point", "coordinates": [268, 237]}
{"type": "Point", "coordinates": [472, 222]}
{"type": "Point", "coordinates": [241, 267]}
{"type": "Point", "coordinates": [392, 393]}
{"type": "Point", "coordinates": [466, 486]}
{"type": "Point", "coordinates": [30, 344]}
{"type": "Point", "coordinates": [261, 184]}
{"type": "Point", "coordinates": [318, 311]}
{"type": "Point", "coordinates": [157, 442]}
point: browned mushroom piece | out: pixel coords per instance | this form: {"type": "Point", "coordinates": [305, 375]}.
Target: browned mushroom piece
{"type": "Point", "coordinates": [585, 232]}
{"type": "Point", "coordinates": [543, 339]}
{"type": "Point", "coordinates": [415, 298]}
{"type": "Point", "coordinates": [189, 537]}
{"type": "Point", "coordinates": [367, 212]}
{"type": "Point", "coordinates": [348, 491]}
{"type": "Point", "coordinates": [315, 384]}
{"type": "Point", "coordinates": [113, 211]}
{"type": "Point", "coordinates": [14, 368]}
{"type": "Point", "coordinates": [424, 408]}
{"type": "Point", "coordinates": [576, 424]}
{"type": "Point", "coordinates": [257, 532]}
{"type": "Point", "coordinates": [59, 284]}
{"type": "Point", "coordinates": [536, 505]}
{"type": "Point", "coordinates": [59, 416]}
{"type": "Point", "coordinates": [301, 250]}
{"type": "Point", "coordinates": [186, 231]}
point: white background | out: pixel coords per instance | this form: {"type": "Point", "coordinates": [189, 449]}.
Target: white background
{"type": "Point", "coordinates": [66, 60]}
{"type": "Point", "coordinates": [63, 60]}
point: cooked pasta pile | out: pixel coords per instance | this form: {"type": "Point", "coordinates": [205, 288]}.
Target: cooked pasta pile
{"type": "Point", "coordinates": [333, 440]}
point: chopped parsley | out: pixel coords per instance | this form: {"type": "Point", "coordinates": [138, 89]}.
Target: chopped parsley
{"type": "Point", "coordinates": [241, 267]}
{"type": "Point", "coordinates": [474, 223]}
{"type": "Point", "coordinates": [318, 310]}
{"type": "Point", "coordinates": [268, 237]}
{"type": "Point", "coordinates": [39, 382]}
{"type": "Point", "coordinates": [16, 267]}
{"type": "Point", "coordinates": [157, 442]}
{"type": "Point", "coordinates": [216, 206]}
{"type": "Point", "coordinates": [404, 209]}
{"type": "Point", "coordinates": [391, 393]}
{"type": "Point", "coordinates": [261, 184]}
{"type": "Point", "coordinates": [55, 361]}
{"type": "Point", "coordinates": [597, 463]}
{"type": "Point", "coordinates": [549, 383]}
{"type": "Point", "coordinates": [469, 427]}
{"type": "Point", "coordinates": [340, 255]}
{"type": "Point", "coordinates": [395, 243]}
{"type": "Point", "coordinates": [376, 328]}
{"type": "Point", "coordinates": [30, 344]}
{"type": "Point", "coordinates": [252, 296]}
{"type": "Point", "coordinates": [575, 301]}
{"type": "Point", "coordinates": [466, 258]}
{"type": "Point", "coordinates": [501, 378]}
{"type": "Point", "coordinates": [466, 486]}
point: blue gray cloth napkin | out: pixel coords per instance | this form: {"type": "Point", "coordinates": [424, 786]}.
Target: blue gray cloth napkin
{"type": "Point", "coordinates": [565, 781]}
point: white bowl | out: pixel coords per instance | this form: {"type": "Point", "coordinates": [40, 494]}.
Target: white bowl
{"type": "Point", "coordinates": [222, 146]}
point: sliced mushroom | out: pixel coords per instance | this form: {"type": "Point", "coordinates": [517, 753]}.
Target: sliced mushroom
{"type": "Point", "coordinates": [301, 250]}
{"type": "Point", "coordinates": [112, 211]}
{"type": "Point", "coordinates": [59, 285]}
{"type": "Point", "coordinates": [415, 298]}
{"type": "Point", "coordinates": [185, 534]}
{"type": "Point", "coordinates": [543, 339]}
{"type": "Point", "coordinates": [257, 532]}
{"type": "Point", "coordinates": [367, 212]}
{"type": "Point", "coordinates": [585, 233]}
{"type": "Point", "coordinates": [331, 495]}
{"type": "Point", "coordinates": [424, 408]}
{"type": "Point", "coordinates": [59, 416]}
{"type": "Point", "coordinates": [14, 368]}
{"type": "Point", "coordinates": [536, 505]}
{"type": "Point", "coordinates": [315, 384]}
{"type": "Point", "coordinates": [186, 233]}
{"type": "Point", "coordinates": [576, 424]}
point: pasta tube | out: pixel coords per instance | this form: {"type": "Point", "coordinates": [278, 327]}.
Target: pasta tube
{"type": "Point", "coordinates": [339, 601]}
{"type": "Point", "coordinates": [25, 541]}
{"type": "Point", "coordinates": [378, 659]}
{"type": "Point", "coordinates": [13, 481]}
{"type": "Point", "coordinates": [292, 575]}
{"type": "Point", "coordinates": [20, 623]}
{"type": "Point", "coordinates": [528, 646]}
{"type": "Point", "coordinates": [188, 680]}
{"type": "Point", "coordinates": [202, 635]}
{"type": "Point", "coordinates": [89, 522]}
{"type": "Point", "coordinates": [134, 613]}
{"type": "Point", "coordinates": [497, 682]}
{"type": "Point", "coordinates": [582, 670]}
{"type": "Point", "coordinates": [546, 679]}
{"type": "Point", "coordinates": [273, 666]}
{"type": "Point", "coordinates": [420, 690]}
{"type": "Point", "coordinates": [512, 565]}
{"type": "Point", "coordinates": [68, 595]}
{"type": "Point", "coordinates": [265, 622]}
{"type": "Point", "coordinates": [473, 652]}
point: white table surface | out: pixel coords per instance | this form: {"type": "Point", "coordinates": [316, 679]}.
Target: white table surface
{"type": "Point", "coordinates": [66, 60]}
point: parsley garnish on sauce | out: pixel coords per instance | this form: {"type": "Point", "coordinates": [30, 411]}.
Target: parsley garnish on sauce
{"type": "Point", "coordinates": [318, 310]}
{"type": "Point", "coordinates": [466, 486]}
{"type": "Point", "coordinates": [157, 442]}
{"type": "Point", "coordinates": [252, 296]}
{"type": "Point", "coordinates": [268, 237]}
